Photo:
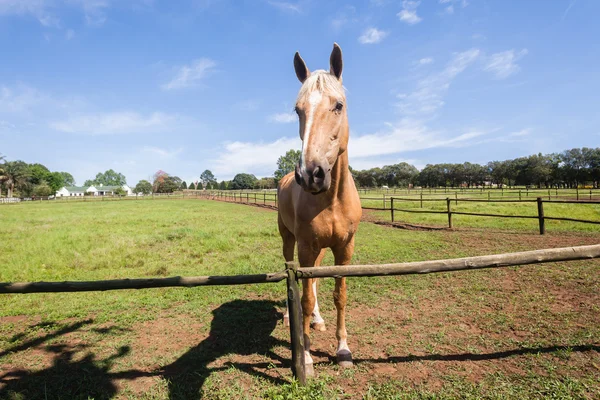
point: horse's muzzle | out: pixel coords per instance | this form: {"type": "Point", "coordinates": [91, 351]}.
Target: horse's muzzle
{"type": "Point", "coordinates": [314, 178]}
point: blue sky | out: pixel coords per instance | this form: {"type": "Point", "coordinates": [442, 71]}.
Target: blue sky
{"type": "Point", "coordinates": [142, 85]}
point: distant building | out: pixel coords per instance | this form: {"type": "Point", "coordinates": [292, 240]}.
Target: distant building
{"type": "Point", "coordinates": [101, 190]}
{"type": "Point", "coordinates": [70, 191]}
{"type": "Point", "coordinates": [74, 191]}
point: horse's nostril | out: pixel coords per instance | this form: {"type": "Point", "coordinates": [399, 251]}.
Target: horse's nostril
{"type": "Point", "coordinates": [319, 173]}
{"type": "Point", "coordinates": [297, 176]}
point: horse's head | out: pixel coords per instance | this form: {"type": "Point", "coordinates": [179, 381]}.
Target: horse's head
{"type": "Point", "coordinates": [321, 109]}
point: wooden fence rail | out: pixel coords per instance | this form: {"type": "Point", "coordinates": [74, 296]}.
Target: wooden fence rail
{"type": "Point", "coordinates": [292, 274]}
{"type": "Point", "coordinates": [540, 210]}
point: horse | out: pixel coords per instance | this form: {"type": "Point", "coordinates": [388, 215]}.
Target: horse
{"type": "Point", "coordinates": [319, 206]}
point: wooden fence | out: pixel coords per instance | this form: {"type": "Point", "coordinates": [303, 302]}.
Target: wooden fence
{"type": "Point", "coordinates": [539, 201]}
{"type": "Point", "coordinates": [293, 273]}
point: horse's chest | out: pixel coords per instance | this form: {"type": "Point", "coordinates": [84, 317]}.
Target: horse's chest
{"type": "Point", "coordinates": [333, 228]}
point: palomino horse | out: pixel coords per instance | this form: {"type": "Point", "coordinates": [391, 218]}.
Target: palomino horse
{"type": "Point", "coordinates": [319, 206]}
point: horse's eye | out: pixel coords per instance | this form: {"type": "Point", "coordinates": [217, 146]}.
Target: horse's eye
{"type": "Point", "coordinates": [338, 106]}
{"type": "Point", "coordinates": [297, 110]}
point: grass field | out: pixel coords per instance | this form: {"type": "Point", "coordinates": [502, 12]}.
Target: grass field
{"type": "Point", "coordinates": [506, 333]}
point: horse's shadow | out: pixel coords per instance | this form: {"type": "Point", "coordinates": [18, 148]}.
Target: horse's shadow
{"type": "Point", "coordinates": [239, 327]}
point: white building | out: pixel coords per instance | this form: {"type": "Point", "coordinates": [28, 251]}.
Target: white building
{"type": "Point", "coordinates": [69, 191]}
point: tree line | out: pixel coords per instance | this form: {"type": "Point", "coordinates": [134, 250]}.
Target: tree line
{"type": "Point", "coordinates": [31, 179]}
{"type": "Point", "coordinates": [568, 169]}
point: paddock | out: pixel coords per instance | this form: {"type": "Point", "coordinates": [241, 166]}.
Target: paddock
{"type": "Point", "coordinates": [367, 344]}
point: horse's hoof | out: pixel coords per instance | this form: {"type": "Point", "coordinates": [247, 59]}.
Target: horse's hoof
{"type": "Point", "coordinates": [309, 370]}
{"type": "Point", "coordinates": [319, 326]}
{"type": "Point", "coordinates": [344, 359]}
{"type": "Point", "coordinates": [286, 321]}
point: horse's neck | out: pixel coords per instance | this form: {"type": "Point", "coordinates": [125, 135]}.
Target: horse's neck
{"type": "Point", "coordinates": [339, 176]}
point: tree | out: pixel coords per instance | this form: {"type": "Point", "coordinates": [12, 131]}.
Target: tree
{"type": "Point", "coordinates": [144, 187]}
{"type": "Point", "coordinates": [183, 185]}
{"type": "Point", "coordinates": [287, 163]}
{"type": "Point", "coordinates": [68, 179]}
{"type": "Point", "coordinates": [243, 181]}
{"type": "Point", "coordinates": [55, 180]}
{"type": "Point", "coordinates": [38, 173]}
{"type": "Point", "coordinates": [120, 191]}
{"type": "Point", "coordinates": [223, 185]}
{"type": "Point", "coordinates": [207, 177]}
{"type": "Point", "coordinates": [164, 183]}
{"type": "Point", "coordinates": [266, 183]}
{"type": "Point", "coordinates": [42, 189]}
{"type": "Point", "coordinates": [192, 186]}
{"type": "Point", "coordinates": [15, 175]}
{"type": "Point", "coordinates": [108, 178]}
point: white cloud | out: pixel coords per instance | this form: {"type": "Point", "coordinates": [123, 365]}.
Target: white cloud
{"type": "Point", "coordinates": [409, 12]}
{"type": "Point", "coordinates": [94, 11]}
{"type": "Point", "coordinates": [430, 91]}
{"type": "Point", "coordinates": [70, 34]}
{"type": "Point", "coordinates": [450, 9]}
{"type": "Point", "coordinates": [503, 64]}
{"type": "Point", "coordinates": [113, 123]}
{"type": "Point", "coordinates": [45, 10]}
{"type": "Point", "coordinates": [283, 118]}
{"type": "Point", "coordinates": [190, 75]}
{"type": "Point", "coordinates": [286, 6]}
{"type": "Point", "coordinates": [257, 158]}
{"type": "Point", "coordinates": [571, 4]}
{"type": "Point", "coordinates": [425, 61]}
{"type": "Point", "coordinates": [405, 136]}
{"type": "Point", "coordinates": [249, 105]}
{"type": "Point", "coordinates": [372, 35]}
{"type": "Point", "coordinates": [162, 153]}
{"type": "Point", "coordinates": [344, 17]}
{"type": "Point", "coordinates": [20, 99]}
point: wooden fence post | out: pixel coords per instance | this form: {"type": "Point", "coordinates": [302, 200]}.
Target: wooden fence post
{"type": "Point", "coordinates": [519, 194]}
{"type": "Point", "coordinates": [577, 192]}
{"type": "Point", "coordinates": [392, 208]}
{"type": "Point", "coordinates": [296, 330]}
{"type": "Point", "coordinates": [384, 201]}
{"type": "Point", "coordinates": [264, 198]}
{"type": "Point", "coordinates": [421, 199]}
{"type": "Point", "coordinates": [455, 198]}
{"type": "Point", "coordinates": [449, 212]}
{"type": "Point", "coordinates": [542, 222]}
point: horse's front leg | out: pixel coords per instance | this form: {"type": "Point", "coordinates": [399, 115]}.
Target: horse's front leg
{"type": "Point", "coordinates": [342, 255]}
{"type": "Point", "coordinates": [307, 256]}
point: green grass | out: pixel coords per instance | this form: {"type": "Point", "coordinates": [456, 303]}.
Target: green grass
{"type": "Point", "coordinates": [589, 212]}
{"type": "Point", "coordinates": [505, 333]}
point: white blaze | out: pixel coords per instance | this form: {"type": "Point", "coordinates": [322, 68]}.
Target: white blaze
{"type": "Point", "coordinates": [314, 100]}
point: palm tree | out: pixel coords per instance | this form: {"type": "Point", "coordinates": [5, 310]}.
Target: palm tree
{"type": "Point", "coordinates": [14, 173]}
{"type": "Point", "coordinates": [2, 158]}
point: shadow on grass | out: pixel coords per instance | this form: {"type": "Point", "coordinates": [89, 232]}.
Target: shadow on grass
{"type": "Point", "coordinates": [468, 356]}
{"type": "Point", "coordinates": [67, 378]}
{"type": "Point", "coordinates": [238, 328]}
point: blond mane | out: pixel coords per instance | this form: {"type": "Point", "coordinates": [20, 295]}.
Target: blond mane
{"type": "Point", "coordinates": [322, 81]}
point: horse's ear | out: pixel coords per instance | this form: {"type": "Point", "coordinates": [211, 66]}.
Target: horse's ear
{"type": "Point", "coordinates": [302, 71]}
{"type": "Point", "coordinates": [335, 61]}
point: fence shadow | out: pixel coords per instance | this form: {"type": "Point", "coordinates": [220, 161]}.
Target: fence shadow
{"type": "Point", "coordinates": [239, 327]}
{"type": "Point", "coordinates": [67, 377]}
{"type": "Point", "coordinates": [468, 356]}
